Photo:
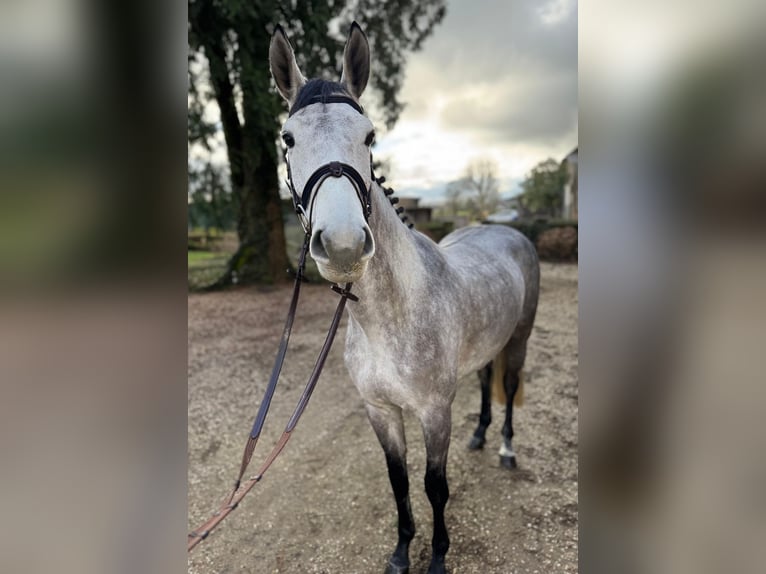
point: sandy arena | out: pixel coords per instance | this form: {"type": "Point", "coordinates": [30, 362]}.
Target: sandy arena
{"type": "Point", "coordinates": [326, 505]}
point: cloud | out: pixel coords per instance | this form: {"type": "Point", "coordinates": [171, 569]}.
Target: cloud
{"type": "Point", "coordinates": [504, 70]}
{"type": "Point", "coordinates": [518, 110]}
{"type": "Point", "coordinates": [498, 80]}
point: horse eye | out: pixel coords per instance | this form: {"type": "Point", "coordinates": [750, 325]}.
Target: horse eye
{"type": "Point", "coordinates": [370, 138]}
{"type": "Point", "coordinates": [288, 139]}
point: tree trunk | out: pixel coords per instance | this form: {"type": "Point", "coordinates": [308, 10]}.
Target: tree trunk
{"type": "Point", "coordinates": [262, 256]}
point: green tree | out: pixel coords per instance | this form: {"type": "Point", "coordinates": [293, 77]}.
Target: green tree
{"type": "Point", "coordinates": [211, 204]}
{"type": "Point", "coordinates": [228, 51]}
{"type": "Point", "coordinates": [544, 189]}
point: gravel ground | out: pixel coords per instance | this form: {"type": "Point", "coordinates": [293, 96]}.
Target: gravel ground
{"type": "Point", "coordinates": [326, 504]}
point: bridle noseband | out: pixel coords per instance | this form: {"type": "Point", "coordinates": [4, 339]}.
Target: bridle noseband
{"type": "Point", "coordinates": [303, 203]}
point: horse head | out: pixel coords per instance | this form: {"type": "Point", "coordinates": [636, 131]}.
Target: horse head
{"type": "Point", "coordinates": [328, 141]}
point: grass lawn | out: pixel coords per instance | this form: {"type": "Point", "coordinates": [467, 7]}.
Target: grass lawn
{"type": "Point", "coordinates": [204, 267]}
{"type": "Point", "coordinates": [197, 258]}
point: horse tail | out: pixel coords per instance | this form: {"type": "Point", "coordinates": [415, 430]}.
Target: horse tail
{"type": "Point", "coordinates": [498, 374]}
{"type": "Point", "coordinates": [499, 366]}
{"type": "Point", "coordinates": [518, 398]}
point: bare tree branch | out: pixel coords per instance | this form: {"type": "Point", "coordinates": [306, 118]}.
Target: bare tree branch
{"type": "Point", "coordinates": [480, 188]}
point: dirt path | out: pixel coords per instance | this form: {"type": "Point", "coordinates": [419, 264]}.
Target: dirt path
{"type": "Point", "coordinates": [326, 505]}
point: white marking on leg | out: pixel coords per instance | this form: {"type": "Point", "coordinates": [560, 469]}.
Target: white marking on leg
{"type": "Point", "coordinates": [505, 451]}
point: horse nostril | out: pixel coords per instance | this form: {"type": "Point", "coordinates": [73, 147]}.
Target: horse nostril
{"type": "Point", "coordinates": [317, 247]}
{"type": "Point", "coordinates": [369, 244]}
{"type": "Point", "coordinates": [343, 248]}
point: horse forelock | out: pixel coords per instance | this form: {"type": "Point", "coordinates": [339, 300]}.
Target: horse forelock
{"type": "Point", "coordinates": [318, 88]}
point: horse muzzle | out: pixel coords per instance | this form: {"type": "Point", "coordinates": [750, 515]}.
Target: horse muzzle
{"type": "Point", "coordinates": [342, 252]}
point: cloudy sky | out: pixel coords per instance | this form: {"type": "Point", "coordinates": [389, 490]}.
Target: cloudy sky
{"type": "Point", "coordinates": [497, 79]}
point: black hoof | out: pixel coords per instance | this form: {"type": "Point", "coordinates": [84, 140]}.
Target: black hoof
{"type": "Point", "coordinates": [396, 569]}
{"type": "Point", "coordinates": [476, 443]}
{"type": "Point", "coordinates": [508, 462]}
{"type": "Point", "coordinates": [437, 568]}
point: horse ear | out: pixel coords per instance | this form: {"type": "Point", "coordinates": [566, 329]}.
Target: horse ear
{"type": "Point", "coordinates": [356, 61]}
{"type": "Point", "coordinates": [284, 68]}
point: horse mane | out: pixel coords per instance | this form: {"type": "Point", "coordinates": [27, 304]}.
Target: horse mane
{"type": "Point", "coordinates": [394, 200]}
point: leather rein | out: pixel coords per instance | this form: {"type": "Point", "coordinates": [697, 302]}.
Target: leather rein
{"type": "Point", "coordinates": [304, 205]}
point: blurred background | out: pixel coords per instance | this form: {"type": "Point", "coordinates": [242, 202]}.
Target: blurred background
{"type": "Point", "coordinates": [673, 100]}
{"type": "Point", "coordinates": [102, 190]}
{"type": "Point", "coordinates": [92, 286]}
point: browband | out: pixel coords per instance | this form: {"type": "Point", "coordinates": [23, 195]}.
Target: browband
{"type": "Point", "coordinates": [332, 99]}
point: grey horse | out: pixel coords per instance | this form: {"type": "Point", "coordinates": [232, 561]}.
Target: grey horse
{"type": "Point", "coordinates": [427, 314]}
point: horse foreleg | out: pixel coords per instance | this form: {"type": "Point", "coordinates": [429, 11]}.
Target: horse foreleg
{"type": "Point", "coordinates": [437, 424]}
{"type": "Point", "coordinates": [389, 428]}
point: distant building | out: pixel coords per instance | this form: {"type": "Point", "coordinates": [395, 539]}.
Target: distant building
{"type": "Point", "coordinates": [457, 221]}
{"type": "Point", "coordinates": [416, 214]}
{"type": "Point", "coordinates": [570, 187]}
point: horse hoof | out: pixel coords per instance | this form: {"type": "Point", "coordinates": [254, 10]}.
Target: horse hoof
{"type": "Point", "coordinates": [508, 462]}
{"type": "Point", "coordinates": [437, 568]}
{"type": "Point", "coordinates": [395, 569]}
{"type": "Point", "coordinates": [476, 443]}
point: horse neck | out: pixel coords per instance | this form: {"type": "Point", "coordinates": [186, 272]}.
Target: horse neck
{"type": "Point", "coordinates": [395, 269]}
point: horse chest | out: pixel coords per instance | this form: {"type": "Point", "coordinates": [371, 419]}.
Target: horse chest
{"type": "Point", "coordinates": [400, 368]}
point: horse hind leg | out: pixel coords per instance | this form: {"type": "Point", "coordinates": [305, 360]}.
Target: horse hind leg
{"type": "Point", "coordinates": [389, 428]}
{"type": "Point", "coordinates": [514, 353]}
{"type": "Point", "coordinates": [512, 385]}
{"type": "Point", "coordinates": [485, 417]}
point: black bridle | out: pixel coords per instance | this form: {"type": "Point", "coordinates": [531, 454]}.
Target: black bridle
{"type": "Point", "coordinates": [304, 203]}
